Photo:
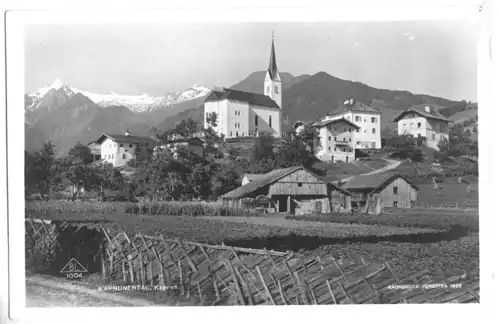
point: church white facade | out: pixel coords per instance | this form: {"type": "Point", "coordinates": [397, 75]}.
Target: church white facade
{"type": "Point", "coordinates": [242, 114]}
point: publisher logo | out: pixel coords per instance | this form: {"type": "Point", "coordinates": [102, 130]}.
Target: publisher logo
{"type": "Point", "coordinates": [73, 269]}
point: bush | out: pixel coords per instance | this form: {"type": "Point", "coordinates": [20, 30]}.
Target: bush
{"type": "Point", "coordinates": [186, 209]}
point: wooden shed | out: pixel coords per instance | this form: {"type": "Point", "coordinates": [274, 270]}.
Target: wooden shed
{"type": "Point", "coordinates": [293, 190]}
{"type": "Point", "coordinates": [393, 189]}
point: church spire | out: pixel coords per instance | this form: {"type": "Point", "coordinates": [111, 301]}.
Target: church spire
{"type": "Point", "coordinates": [273, 67]}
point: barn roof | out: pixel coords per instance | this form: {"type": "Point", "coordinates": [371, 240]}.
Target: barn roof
{"type": "Point", "coordinates": [252, 98]}
{"type": "Point", "coordinates": [253, 176]}
{"type": "Point", "coordinates": [420, 110]}
{"type": "Point", "coordinates": [269, 178]}
{"type": "Point", "coordinates": [374, 181]}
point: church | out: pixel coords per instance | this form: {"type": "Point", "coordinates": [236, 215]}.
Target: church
{"type": "Point", "coordinates": [244, 114]}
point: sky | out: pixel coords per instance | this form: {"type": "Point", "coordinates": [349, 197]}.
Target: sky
{"type": "Point", "coordinates": [426, 57]}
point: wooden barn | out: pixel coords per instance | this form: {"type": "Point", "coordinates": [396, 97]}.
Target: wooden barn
{"type": "Point", "coordinates": [393, 189]}
{"type": "Point", "coordinates": [293, 190]}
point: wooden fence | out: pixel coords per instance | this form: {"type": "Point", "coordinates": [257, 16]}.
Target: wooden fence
{"type": "Point", "coordinates": [219, 274]}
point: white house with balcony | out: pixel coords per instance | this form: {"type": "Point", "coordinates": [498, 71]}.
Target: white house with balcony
{"type": "Point", "coordinates": [367, 119]}
{"type": "Point", "coordinates": [118, 149]}
{"type": "Point", "coordinates": [242, 114]}
{"type": "Point", "coordinates": [424, 121]}
{"type": "Point", "coordinates": [336, 137]}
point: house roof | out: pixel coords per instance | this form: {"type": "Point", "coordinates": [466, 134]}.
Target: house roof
{"type": "Point", "coordinates": [123, 138]}
{"type": "Point", "coordinates": [360, 107]}
{"type": "Point", "coordinates": [267, 179]}
{"type": "Point", "coordinates": [420, 110]}
{"type": "Point", "coordinates": [335, 120]}
{"type": "Point", "coordinates": [252, 98]}
{"type": "Point", "coordinates": [373, 182]}
{"type": "Point", "coordinates": [188, 139]}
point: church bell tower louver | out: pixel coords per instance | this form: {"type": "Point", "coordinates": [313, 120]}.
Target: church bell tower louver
{"type": "Point", "coordinates": [272, 82]}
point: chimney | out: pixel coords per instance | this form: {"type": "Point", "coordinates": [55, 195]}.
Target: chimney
{"type": "Point", "coordinates": [427, 109]}
{"type": "Point", "coordinates": [127, 133]}
{"type": "Point", "coordinates": [351, 100]}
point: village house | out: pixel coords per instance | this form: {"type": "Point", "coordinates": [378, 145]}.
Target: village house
{"type": "Point", "coordinates": [368, 133]}
{"type": "Point", "coordinates": [118, 149]}
{"type": "Point", "coordinates": [242, 114]}
{"type": "Point", "coordinates": [393, 189]}
{"type": "Point", "coordinates": [424, 121]}
{"type": "Point", "coordinates": [336, 139]}
{"type": "Point", "coordinates": [293, 190]}
{"type": "Point", "coordinates": [192, 144]}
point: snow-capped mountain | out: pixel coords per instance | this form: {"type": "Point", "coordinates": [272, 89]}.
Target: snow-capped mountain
{"type": "Point", "coordinates": [136, 103]}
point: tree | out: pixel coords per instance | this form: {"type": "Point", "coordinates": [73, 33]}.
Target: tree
{"type": "Point", "coordinates": [105, 176]}
{"type": "Point", "coordinates": [41, 169]}
{"type": "Point", "coordinates": [75, 172]}
{"type": "Point", "coordinates": [81, 151]}
{"type": "Point", "coordinates": [263, 147]}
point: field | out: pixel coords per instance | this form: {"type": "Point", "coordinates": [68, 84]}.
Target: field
{"type": "Point", "coordinates": [440, 241]}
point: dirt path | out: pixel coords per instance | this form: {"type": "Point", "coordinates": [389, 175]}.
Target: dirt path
{"type": "Point", "coordinates": [43, 296]}
{"type": "Point", "coordinates": [392, 165]}
{"type": "Point", "coordinates": [42, 291]}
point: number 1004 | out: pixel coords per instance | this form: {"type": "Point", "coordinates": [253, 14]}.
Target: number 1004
{"type": "Point", "coordinates": [74, 275]}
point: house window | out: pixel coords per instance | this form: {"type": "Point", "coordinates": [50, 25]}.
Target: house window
{"type": "Point", "coordinates": [350, 139]}
{"type": "Point", "coordinates": [329, 148]}
{"type": "Point", "coordinates": [335, 138]}
{"type": "Point", "coordinates": [112, 156]}
{"type": "Point", "coordinates": [374, 119]}
{"type": "Point", "coordinates": [236, 133]}
{"type": "Point", "coordinates": [373, 130]}
{"type": "Point", "coordinates": [395, 204]}
{"type": "Point", "coordinates": [299, 184]}
{"type": "Point", "coordinates": [231, 133]}
{"type": "Point", "coordinates": [124, 156]}
{"type": "Point", "coordinates": [256, 121]}
{"type": "Point", "coordinates": [345, 129]}
{"type": "Point", "coordinates": [345, 140]}
{"type": "Point", "coordinates": [433, 136]}
{"type": "Point", "coordinates": [349, 129]}
{"type": "Point", "coordinates": [394, 190]}
{"type": "Point", "coordinates": [357, 143]}
{"type": "Point", "coordinates": [357, 130]}
{"type": "Point", "coordinates": [276, 89]}
{"type": "Point", "coordinates": [121, 145]}
{"type": "Point", "coordinates": [270, 121]}
{"type": "Point", "coordinates": [419, 125]}
{"type": "Point", "coordinates": [329, 138]}
{"type": "Point", "coordinates": [357, 118]}
{"type": "Point", "coordinates": [335, 149]}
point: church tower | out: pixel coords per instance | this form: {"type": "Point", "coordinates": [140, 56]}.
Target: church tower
{"type": "Point", "coordinates": [272, 82]}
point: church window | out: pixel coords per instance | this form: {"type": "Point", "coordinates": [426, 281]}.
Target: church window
{"type": "Point", "coordinates": [270, 121]}
{"type": "Point", "coordinates": [276, 89]}
{"type": "Point", "coordinates": [256, 120]}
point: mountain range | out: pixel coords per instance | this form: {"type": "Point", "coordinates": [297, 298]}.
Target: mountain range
{"type": "Point", "coordinates": [65, 114]}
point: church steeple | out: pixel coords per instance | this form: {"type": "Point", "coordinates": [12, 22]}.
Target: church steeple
{"type": "Point", "coordinates": [272, 83]}
{"type": "Point", "coordinates": [273, 67]}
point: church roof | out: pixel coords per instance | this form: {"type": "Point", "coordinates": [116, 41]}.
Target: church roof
{"type": "Point", "coordinates": [252, 98]}
{"type": "Point", "coordinates": [273, 67]}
